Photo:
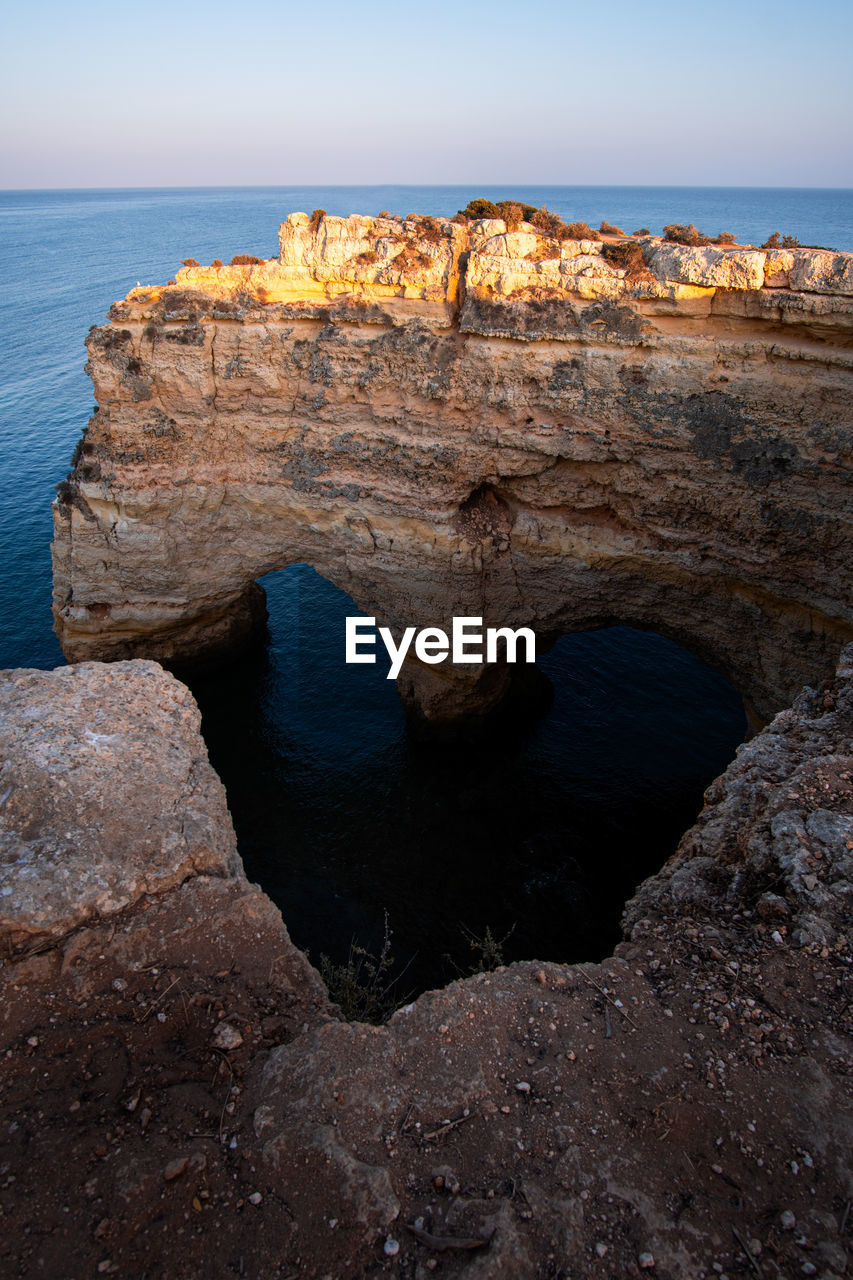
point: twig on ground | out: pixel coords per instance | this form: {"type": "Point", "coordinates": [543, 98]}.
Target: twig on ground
{"type": "Point", "coordinates": [601, 990]}
{"type": "Point", "coordinates": [447, 1126]}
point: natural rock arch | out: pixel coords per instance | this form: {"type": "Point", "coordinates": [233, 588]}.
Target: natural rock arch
{"type": "Point", "coordinates": [538, 443]}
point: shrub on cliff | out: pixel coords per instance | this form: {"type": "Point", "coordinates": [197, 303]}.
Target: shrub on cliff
{"type": "Point", "coordinates": [579, 231]}
{"type": "Point", "coordinates": [641, 231]}
{"type": "Point", "coordinates": [430, 229]}
{"type": "Point", "coordinates": [244, 260]}
{"type": "Point", "coordinates": [544, 220]}
{"type": "Point", "coordinates": [628, 257]}
{"type": "Point", "coordinates": [189, 262]}
{"type": "Point", "coordinates": [316, 218]}
{"type": "Point", "coordinates": [777, 241]}
{"type": "Point", "coordinates": [368, 257]}
{"type": "Point", "coordinates": [411, 258]}
{"type": "Point", "coordinates": [512, 212]}
{"type": "Point", "coordinates": [608, 229]}
{"type": "Point", "coordinates": [679, 234]}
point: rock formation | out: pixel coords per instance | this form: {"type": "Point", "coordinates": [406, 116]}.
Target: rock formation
{"type": "Point", "coordinates": [107, 795]}
{"type": "Point", "coordinates": [451, 420]}
{"type": "Point", "coordinates": [178, 1091]}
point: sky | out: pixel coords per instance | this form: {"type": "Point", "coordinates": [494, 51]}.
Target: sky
{"type": "Point", "coordinates": [268, 92]}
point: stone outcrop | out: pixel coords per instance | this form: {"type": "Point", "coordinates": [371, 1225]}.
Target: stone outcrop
{"type": "Point", "coordinates": [679, 1108]}
{"type": "Point", "coordinates": [776, 833]}
{"type": "Point", "coordinates": [106, 796]}
{"type": "Point", "coordinates": [452, 419]}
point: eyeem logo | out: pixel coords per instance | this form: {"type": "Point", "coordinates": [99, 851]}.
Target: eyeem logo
{"type": "Point", "coordinates": [464, 645]}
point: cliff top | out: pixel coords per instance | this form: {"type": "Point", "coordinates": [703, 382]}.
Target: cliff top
{"type": "Point", "coordinates": [438, 260]}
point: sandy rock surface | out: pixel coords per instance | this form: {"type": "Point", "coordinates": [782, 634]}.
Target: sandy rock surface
{"type": "Point", "coordinates": [107, 795]}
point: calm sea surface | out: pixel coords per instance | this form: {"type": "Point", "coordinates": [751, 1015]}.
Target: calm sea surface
{"type": "Point", "coordinates": [543, 831]}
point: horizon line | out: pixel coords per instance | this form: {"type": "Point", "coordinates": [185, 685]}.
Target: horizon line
{"type": "Point", "coordinates": [427, 186]}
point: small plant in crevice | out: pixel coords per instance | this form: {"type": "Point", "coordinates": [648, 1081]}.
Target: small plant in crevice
{"type": "Point", "coordinates": [363, 987]}
{"type": "Point", "coordinates": [316, 218]}
{"type": "Point", "coordinates": [488, 950]}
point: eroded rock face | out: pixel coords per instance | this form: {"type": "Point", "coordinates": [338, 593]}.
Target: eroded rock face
{"type": "Point", "coordinates": [776, 834]}
{"type": "Point", "coordinates": [452, 420]}
{"type": "Point", "coordinates": [107, 795]}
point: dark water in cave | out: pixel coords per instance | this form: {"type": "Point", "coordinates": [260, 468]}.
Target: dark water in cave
{"type": "Point", "coordinates": [537, 832]}
{"type": "Point", "coordinates": [543, 828]}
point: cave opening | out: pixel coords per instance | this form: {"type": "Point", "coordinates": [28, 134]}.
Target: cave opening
{"type": "Point", "coordinates": [533, 836]}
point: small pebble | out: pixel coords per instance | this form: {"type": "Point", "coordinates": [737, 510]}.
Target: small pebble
{"type": "Point", "coordinates": [809, 1269]}
{"type": "Point", "coordinates": [392, 1247]}
{"type": "Point", "coordinates": [175, 1168]}
{"type": "Point", "coordinates": [646, 1261]}
{"type": "Point", "coordinates": [787, 1220]}
{"type": "Point", "coordinates": [522, 1087]}
{"type": "Point", "coordinates": [226, 1037]}
{"type": "Point", "coordinates": [255, 1197]}
{"type": "Point", "coordinates": [601, 1249]}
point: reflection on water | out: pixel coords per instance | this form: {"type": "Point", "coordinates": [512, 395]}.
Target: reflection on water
{"type": "Point", "coordinates": [540, 832]}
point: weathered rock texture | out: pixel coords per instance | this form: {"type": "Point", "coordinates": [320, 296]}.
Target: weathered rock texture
{"type": "Point", "coordinates": [106, 795]}
{"type": "Point", "coordinates": [679, 1108]}
{"type": "Point", "coordinates": [776, 833]}
{"type": "Point", "coordinates": [453, 420]}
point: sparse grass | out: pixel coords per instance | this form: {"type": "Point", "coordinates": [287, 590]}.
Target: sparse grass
{"type": "Point", "coordinates": [367, 258]}
{"type": "Point", "coordinates": [363, 986]}
{"type": "Point", "coordinates": [411, 258]}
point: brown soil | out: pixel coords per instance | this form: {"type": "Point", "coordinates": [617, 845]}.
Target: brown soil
{"type": "Point", "coordinates": [675, 1104]}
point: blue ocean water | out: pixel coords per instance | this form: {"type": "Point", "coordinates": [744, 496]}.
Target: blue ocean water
{"type": "Point", "coordinates": [338, 811]}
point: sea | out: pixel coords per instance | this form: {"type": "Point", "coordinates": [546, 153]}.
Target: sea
{"type": "Point", "coordinates": [523, 845]}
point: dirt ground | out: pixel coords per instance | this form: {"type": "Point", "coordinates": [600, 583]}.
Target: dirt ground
{"type": "Point", "coordinates": [177, 1098]}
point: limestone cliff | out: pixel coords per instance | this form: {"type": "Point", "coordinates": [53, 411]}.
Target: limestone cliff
{"type": "Point", "coordinates": [452, 419]}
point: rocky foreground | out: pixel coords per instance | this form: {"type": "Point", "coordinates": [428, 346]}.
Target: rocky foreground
{"type": "Point", "coordinates": [179, 1098]}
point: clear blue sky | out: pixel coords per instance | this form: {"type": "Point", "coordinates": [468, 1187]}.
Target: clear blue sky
{"type": "Point", "coordinates": [186, 92]}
